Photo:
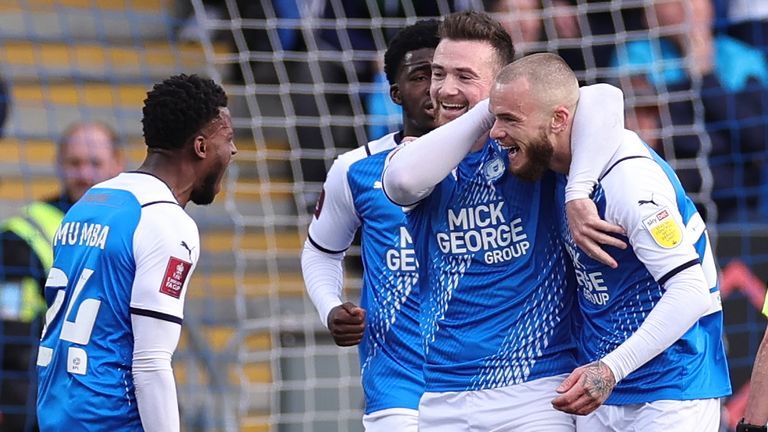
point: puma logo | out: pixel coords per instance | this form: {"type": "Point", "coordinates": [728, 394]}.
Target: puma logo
{"type": "Point", "coordinates": [189, 249]}
{"type": "Point", "coordinates": [650, 201]}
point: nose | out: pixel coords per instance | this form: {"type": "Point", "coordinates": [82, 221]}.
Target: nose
{"type": "Point", "coordinates": [233, 148]}
{"type": "Point", "coordinates": [449, 86]}
{"type": "Point", "coordinates": [496, 132]}
{"type": "Point", "coordinates": [82, 172]}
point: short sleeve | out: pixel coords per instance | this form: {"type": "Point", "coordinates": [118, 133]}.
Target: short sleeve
{"type": "Point", "coordinates": [640, 198]}
{"type": "Point", "coordinates": [166, 247]}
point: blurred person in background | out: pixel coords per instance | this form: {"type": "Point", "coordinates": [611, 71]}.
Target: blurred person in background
{"type": "Point", "coordinates": [5, 104]}
{"type": "Point", "coordinates": [522, 19]}
{"type": "Point", "coordinates": [87, 153]}
{"type": "Point", "coordinates": [746, 20]}
{"type": "Point", "coordinates": [562, 26]}
{"type": "Point", "coordinates": [729, 77]}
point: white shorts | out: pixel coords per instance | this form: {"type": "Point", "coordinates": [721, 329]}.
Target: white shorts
{"type": "Point", "coordinates": [521, 407]}
{"type": "Point", "coordinates": [702, 415]}
{"type": "Point", "coordinates": [392, 420]}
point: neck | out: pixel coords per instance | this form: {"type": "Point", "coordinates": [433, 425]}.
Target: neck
{"type": "Point", "coordinates": [168, 166]}
{"type": "Point", "coordinates": [561, 158]}
{"type": "Point", "coordinates": [480, 143]}
{"type": "Point", "coordinates": [412, 130]}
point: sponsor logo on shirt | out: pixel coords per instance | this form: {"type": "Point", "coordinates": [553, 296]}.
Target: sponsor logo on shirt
{"type": "Point", "coordinates": [592, 284]}
{"type": "Point", "coordinates": [665, 231]}
{"type": "Point", "coordinates": [175, 275]}
{"type": "Point", "coordinates": [188, 248]}
{"type": "Point", "coordinates": [484, 228]}
{"type": "Point", "coordinates": [648, 201]}
{"type": "Point", "coordinates": [402, 258]}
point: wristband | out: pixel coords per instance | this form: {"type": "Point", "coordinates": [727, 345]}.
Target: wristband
{"type": "Point", "coordinates": [745, 427]}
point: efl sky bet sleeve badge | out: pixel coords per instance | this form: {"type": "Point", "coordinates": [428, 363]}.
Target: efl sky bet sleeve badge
{"type": "Point", "coordinates": [666, 232]}
{"type": "Point", "coordinates": [175, 275]}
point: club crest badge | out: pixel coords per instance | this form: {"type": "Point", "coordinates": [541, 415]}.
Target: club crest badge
{"type": "Point", "coordinates": [494, 169]}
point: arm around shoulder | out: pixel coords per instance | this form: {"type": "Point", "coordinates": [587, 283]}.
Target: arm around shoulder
{"type": "Point", "coordinates": [413, 170]}
{"type": "Point", "coordinates": [598, 130]}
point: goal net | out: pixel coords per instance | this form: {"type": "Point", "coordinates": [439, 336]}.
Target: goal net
{"type": "Point", "coordinates": [305, 83]}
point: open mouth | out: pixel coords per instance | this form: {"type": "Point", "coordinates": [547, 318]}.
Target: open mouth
{"type": "Point", "coordinates": [429, 108]}
{"type": "Point", "coordinates": [513, 149]}
{"type": "Point", "coordinates": [452, 108]}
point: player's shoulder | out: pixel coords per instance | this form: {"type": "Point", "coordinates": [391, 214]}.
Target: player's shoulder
{"type": "Point", "coordinates": [634, 169]}
{"type": "Point", "coordinates": [635, 184]}
{"type": "Point", "coordinates": [383, 144]}
{"type": "Point", "coordinates": [145, 188]}
{"type": "Point", "coordinates": [159, 206]}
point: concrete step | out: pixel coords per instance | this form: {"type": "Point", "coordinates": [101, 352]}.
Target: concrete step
{"type": "Point", "coordinates": [40, 151]}
{"type": "Point", "coordinates": [38, 116]}
{"type": "Point", "coordinates": [150, 6]}
{"type": "Point", "coordinates": [100, 95]}
{"type": "Point", "coordinates": [223, 284]}
{"type": "Point", "coordinates": [16, 191]}
{"type": "Point", "coordinates": [143, 62]}
{"type": "Point", "coordinates": [110, 20]}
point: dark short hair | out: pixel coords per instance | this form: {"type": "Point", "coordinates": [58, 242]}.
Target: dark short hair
{"type": "Point", "coordinates": [422, 34]}
{"type": "Point", "coordinates": [179, 107]}
{"type": "Point", "coordinates": [479, 26]}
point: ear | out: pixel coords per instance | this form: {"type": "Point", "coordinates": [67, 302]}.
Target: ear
{"type": "Point", "coordinates": [394, 94]}
{"type": "Point", "coordinates": [199, 146]}
{"type": "Point", "coordinates": [560, 119]}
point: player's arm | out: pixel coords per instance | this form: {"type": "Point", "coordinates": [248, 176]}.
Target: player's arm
{"type": "Point", "coordinates": [683, 303]}
{"type": "Point", "coordinates": [598, 130]}
{"type": "Point", "coordinates": [166, 248]}
{"type": "Point", "coordinates": [154, 343]}
{"type": "Point", "coordinates": [672, 260]}
{"type": "Point", "coordinates": [330, 233]}
{"type": "Point", "coordinates": [756, 412]}
{"type": "Point", "coordinates": [415, 168]}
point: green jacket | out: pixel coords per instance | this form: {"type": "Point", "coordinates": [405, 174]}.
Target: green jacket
{"type": "Point", "coordinates": [36, 225]}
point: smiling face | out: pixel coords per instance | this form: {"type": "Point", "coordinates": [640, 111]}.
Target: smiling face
{"type": "Point", "coordinates": [462, 76]}
{"type": "Point", "coordinates": [216, 141]}
{"type": "Point", "coordinates": [522, 128]}
{"type": "Point", "coordinates": [412, 91]}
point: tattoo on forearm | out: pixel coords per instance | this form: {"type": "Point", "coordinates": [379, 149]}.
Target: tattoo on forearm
{"type": "Point", "coordinates": [599, 381]}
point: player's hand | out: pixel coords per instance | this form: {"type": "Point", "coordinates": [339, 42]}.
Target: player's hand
{"type": "Point", "coordinates": [589, 231]}
{"type": "Point", "coordinates": [585, 389]}
{"type": "Point", "coordinates": [347, 324]}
